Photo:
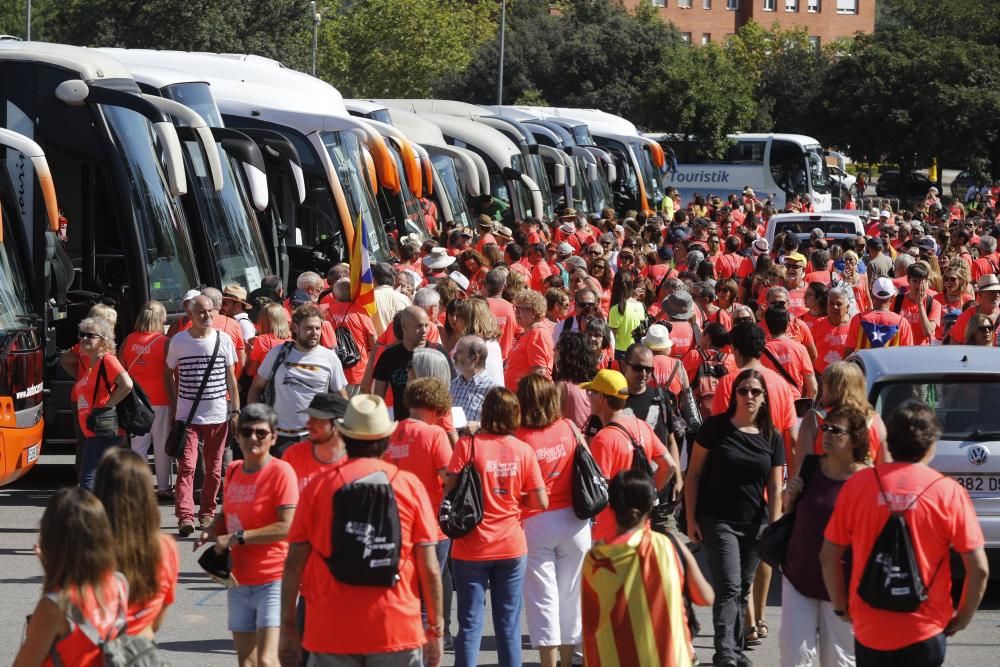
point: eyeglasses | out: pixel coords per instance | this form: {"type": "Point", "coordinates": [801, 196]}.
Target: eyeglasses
{"type": "Point", "coordinates": [251, 432]}
{"type": "Point", "coordinates": [639, 368]}
{"type": "Point", "coordinates": [749, 391]}
{"type": "Point", "coordinates": [585, 306]}
{"type": "Point", "coordinates": [986, 328]}
{"type": "Point", "coordinates": [89, 335]}
{"type": "Point", "coordinates": [834, 429]}
{"type": "Point", "coordinates": [777, 304]}
{"type": "Point", "coordinates": [740, 320]}
{"type": "Point", "coordinates": [594, 253]}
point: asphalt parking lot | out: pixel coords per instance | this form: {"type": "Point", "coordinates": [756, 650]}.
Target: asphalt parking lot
{"type": "Point", "coordinates": [195, 629]}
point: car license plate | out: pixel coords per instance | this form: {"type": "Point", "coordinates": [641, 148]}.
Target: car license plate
{"type": "Point", "coordinates": [33, 452]}
{"type": "Point", "coordinates": [979, 483]}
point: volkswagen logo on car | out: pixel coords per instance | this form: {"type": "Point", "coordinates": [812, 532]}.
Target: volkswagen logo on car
{"type": "Point", "coordinates": [979, 455]}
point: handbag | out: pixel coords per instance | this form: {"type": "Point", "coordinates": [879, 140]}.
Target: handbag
{"type": "Point", "coordinates": [590, 488]}
{"type": "Point", "coordinates": [773, 546]}
{"type": "Point", "coordinates": [462, 509]}
{"type": "Point", "coordinates": [268, 395]}
{"type": "Point", "coordinates": [135, 412]}
{"type": "Point", "coordinates": [102, 421]}
{"type": "Point", "coordinates": [177, 440]}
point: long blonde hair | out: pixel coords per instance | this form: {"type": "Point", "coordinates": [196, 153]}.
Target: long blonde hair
{"type": "Point", "coordinates": [273, 319]}
{"type": "Point", "coordinates": [477, 319]}
{"type": "Point", "coordinates": [844, 385]}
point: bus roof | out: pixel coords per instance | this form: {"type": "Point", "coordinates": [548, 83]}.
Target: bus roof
{"type": "Point", "coordinates": [448, 107]}
{"type": "Point", "coordinates": [800, 139]}
{"type": "Point", "coordinates": [598, 121]}
{"type": "Point", "coordinates": [485, 138]}
{"type": "Point", "coordinates": [416, 128]}
{"type": "Point", "coordinates": [89, 64]}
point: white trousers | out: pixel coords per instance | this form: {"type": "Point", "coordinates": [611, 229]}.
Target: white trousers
{"type": "Point", "coordinates": [557, 544]}
{"type": "Point", "coordinates": [811, 634]}
{"type": "Point", "coordinates": [158, 437]}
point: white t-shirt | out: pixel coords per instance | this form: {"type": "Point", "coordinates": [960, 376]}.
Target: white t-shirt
{"type": "Point", "coordinates": [190, 356]}
{"type": "Point", "coordinates": [494, 361]}
{"type": "Point", "coordinates": [246, 326]}
{"type": "Point", "coordinates": [301, 376]}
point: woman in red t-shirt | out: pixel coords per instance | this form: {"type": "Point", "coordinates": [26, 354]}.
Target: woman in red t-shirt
{"type": "Point", "coordinates": [272, 329]}
{"type": "Point", "coordinates": [102, 385]}
{"type": "Point", "coordinates": [144, 354]}
{"type": "Point", "coordinates": [493, 554]}
{"type": "Point", "coordinates": [557, 539]}
{"type": "Point", "coordinates": [77, 553]}
{"type": "Point", "coordinates": [146, 557]}
{"type": "Point", "coordinates": [258, 504]}
{"type": "Point", "coordinates": [534, 351]}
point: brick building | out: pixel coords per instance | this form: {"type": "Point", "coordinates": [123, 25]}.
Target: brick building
{"type": "Point", "coordinates": [702, 21]}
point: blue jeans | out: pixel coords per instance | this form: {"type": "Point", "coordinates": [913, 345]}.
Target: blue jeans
{"type": "Point", "coordinates": [93, 449]}
{"type": "Point", "coordinates": [505, 579]}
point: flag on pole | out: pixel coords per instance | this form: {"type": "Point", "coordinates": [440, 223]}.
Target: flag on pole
{"type": "Point", "coordinates": [362, 282]}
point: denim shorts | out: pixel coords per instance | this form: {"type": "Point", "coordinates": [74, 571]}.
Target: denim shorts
{"type": "Point", "coordinates": [254, 607]}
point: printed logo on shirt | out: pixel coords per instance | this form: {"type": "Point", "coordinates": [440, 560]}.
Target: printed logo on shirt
{"type": "Point", "coordinates": [240, 493]}
{"type": "Point", "coordinates": [499, 469]}
{"type": "Point", "coordinates": [551, 453]}
{"type": "Point", "coordinates": [398, 451]}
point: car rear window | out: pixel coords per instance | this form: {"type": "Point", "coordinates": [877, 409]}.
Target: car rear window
{"type": "Point", "coordinates": [966, 409]}
{"type": "Point", "coordinates": [806, 227]}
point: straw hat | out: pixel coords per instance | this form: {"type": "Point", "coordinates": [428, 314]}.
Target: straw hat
{"type": "Point", "coordinates": [460, 280]}
{"type": "Point", "coordinates": [366, 418]}
{"type": "Point", "coordinates": [438, 259]}
{"type": "Point", "coordinates": [235, 293]}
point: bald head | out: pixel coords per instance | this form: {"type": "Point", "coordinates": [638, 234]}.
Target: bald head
{"type": "Point", "coordinates": [413, 323]}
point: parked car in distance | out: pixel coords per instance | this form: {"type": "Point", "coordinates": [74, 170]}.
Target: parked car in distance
{"type": "Point", "coordinates": [845, 184]}
{"type": "Point", "coordinates": [961, 383]}
{"type": "Point", "coordinates": [960, 186]}
{"type": "Point", "coordinates": [911, 185]}
{"type": "Point", "coordinates": [837, 227]}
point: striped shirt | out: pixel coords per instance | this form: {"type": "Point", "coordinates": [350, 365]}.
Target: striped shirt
{"type": "Point", "coordinates": [190, 358]}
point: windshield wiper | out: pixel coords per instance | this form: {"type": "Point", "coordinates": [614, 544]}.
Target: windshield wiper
{"type": "Point", "coordinates": [980, 434]}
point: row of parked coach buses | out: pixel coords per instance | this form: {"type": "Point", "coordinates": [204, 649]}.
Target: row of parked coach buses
{"type": "Point", "coordinates": [131, 175]}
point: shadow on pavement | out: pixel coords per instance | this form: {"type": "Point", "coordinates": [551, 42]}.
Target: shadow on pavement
{"type": "Point", "coordinates": [217, 646]}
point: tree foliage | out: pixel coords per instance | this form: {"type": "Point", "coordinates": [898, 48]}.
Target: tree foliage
{"type": "Point", "coordinates": [275, 28]}
{"type": "Point", "coordinates": [400, 48]}
{"type": "Point", "coordinates": [967, 20]}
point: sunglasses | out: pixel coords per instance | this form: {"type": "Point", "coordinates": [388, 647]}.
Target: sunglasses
{"type": "Point", "coordinates": [740, 320]}
{"type": "Point", "coordinates": [834, 429]}
{"type": "Point", "coordinates": [986, 328]}
{"type": "Point", "coordinates": [88, 335]}
{"type": "Point", "coordinates": [749, 391]}
{"type": "Point", "coordinates": [639, 368]}
{"type": "Point", "coordinates": [251, 432]}
{"type": "Point", "coordinates": [594, 253]}
{"type": "Point", "coordinates": [778, 304]}
{"type": "Point", "coordinates": [585, 306]}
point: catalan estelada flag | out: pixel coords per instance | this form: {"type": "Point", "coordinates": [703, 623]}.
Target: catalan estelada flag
{"type": "Point", "coordinates": [633, 609]}
{"type": "Point", "coordinates": [362, 282]}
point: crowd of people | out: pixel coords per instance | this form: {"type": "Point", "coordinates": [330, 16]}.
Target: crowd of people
{"type": "Point", "coordinates": [700, 366]}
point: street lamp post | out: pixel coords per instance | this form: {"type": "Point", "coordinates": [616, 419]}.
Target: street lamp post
{"type": "Point", "coordinates": [316, 19]}
{"type": "Point", "coordinates": [503, 30]}
{"type": "Point", "coordinates": [27, 24]}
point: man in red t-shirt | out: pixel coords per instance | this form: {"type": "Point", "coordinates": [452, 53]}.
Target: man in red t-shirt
{"type": "Point", "coordinates": [989, 258]}
{"type": "Point", "coordinates": [787, 357]}
{"type": "Point", "coordinates": [987, 303]}
{"type": "Point", "coordinates": [731, 263]}
{"type": "Point", "coordinates": [879, 327]}
{"type": "Point", "coordinates": [496, 280]}
{"type": "Point", "coordinates": [370, 620]}
{"type": "Point", "coordinates": [323, 448]}
{"type": "Point", "coordinates": [540, 269]}
{"type": "Point", "coordinates": [342, 312]}
{"type": "Point", "coordinates": [939, 517]}
{"type": "Point", "coordinates": [614, 445]}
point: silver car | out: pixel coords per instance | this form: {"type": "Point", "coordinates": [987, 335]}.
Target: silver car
{"type": "Point", "coordinates": [962, 384]}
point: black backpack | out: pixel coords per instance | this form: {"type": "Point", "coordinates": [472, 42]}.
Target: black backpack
{"type": "Point", "coordinates": [640, 462]}
{"type": "Point", "coordinates": [590, 488]}
{"type": "Point", "coordinates": [365, 542]}
{"type": "Point", "coordinates": [462, 509]}
{"type": "Point", "coordinates": [891, 579]}
{"type": "Point", "coordinates": [347, 347]}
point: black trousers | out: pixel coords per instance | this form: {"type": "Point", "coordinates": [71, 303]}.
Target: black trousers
{"type": "Point", "coordinates": [928, 653]}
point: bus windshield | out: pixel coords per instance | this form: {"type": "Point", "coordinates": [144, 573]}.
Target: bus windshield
{"type": "Point", "coordinates": [819, 175]}
{"type": "Point", "coordinates": [450, 186]}
{"type": "Point", "coordinates": [162, 228]}
{"type": "Point", "coordinates": [198, 97]}
{"type": "Point", "coordinates": [345, 153]}
{"type": "Point", "coordinates": [581, 188]}
{"type": "Point", "coordinates": [413, 217]}
{"type": "Point", "coordinates": [542, 179]}
{"type": "Point", "coordinates": [650, 174]}
{"type": "Point", "coordinates": [517, 162]}
{"type": "Point", "coordinates": [233, 233]}
{"type": "Point", "coordinates": [600, 191]}
{"type": "Point", "coordinates": [15, 305]}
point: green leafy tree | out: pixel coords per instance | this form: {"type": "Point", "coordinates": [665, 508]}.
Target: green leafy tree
{"type": "Point", "coordinates": [967, 20]}
{"type": "Point", "coordinates": [400, 48]}
{"type": "Point", "coordinates": [278, 29]}
{"type": "Point", "coordinates": [677, 102]}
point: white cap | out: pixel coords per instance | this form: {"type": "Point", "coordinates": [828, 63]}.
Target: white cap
{"type": "Point", "coordinates": [885, 214]}
{"type": "Point", "coordinates": [884, 288]}
{"type": "Point", "coordinates": [190, 294]}
{"type": "Point", "coordinates": [459, 279]}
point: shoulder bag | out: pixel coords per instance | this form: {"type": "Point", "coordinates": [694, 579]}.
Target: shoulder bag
{"type": "Point", "coordinates": [135, 412]}
{"type": "Point", "coordinates": [774, 540]}
{"type": "Point", "coordinates": [802, 405]}
{"type": "Point", "coordinates": [590, 488]}
{"type": "Point", "coordinates": [268, 396]}
{"type": "Point", "coordinates": [177, 439]}
{"type": "Point", "coordinates": [462, 509]}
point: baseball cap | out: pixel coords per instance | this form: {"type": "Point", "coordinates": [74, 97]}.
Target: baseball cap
{"type": "Point", "coordinates": [190, 294]}
{"type": "Point", "coordinates": [608, 382]}
{"type": "Point", "coordinates": [884, 288]}
{"type": "Point", "coordinates": [927, 243]}
{"type": "Point", "coordinates": [794, 258]}
{"type": "Point", "coordinates": [875, 242]}
{"type": "Point", "coordinates": [885, 214]}
{"type": "Point", "coordinates": [564, 249]}
{"type": "Point", "coordinates": [326, 405]}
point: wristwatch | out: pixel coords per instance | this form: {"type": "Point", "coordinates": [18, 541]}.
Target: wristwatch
{"type": "Point", "coordinates": [240, 539]}
{"type": "Point", "coordinates": [435, 630]}
{"type": "Point", "coordinates": [840, 613]}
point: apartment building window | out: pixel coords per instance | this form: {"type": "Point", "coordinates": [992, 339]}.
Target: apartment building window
{"type": "Point", "coordinates": [658, 3]}
{"type": "Point", "coordinates": [684, 4]}
{"type": "Point", "coordinates": [847, 6]}
{"type": "Point", "coordinates": [791, 5]}
{"type": "Point", "coordinates": [814, 42]}
{"type": "Point", "coordinates": [706, 37]}
{"type": "Point", "coordinates": [686, 37]}
{"type": "Point", "coordinates": [769, 5]}
{"type": "Point", "coordinates": [813, 6]}
{"type": "Point", "coordinates": [706, 4]}
{"type": "Point", "coordinates": [732, 5]}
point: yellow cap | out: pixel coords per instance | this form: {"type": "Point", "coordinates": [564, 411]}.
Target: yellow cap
{"type": "Point", "coordinates": [796, 257]}
{"type": "Point", "coordinates": [609, 383]}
